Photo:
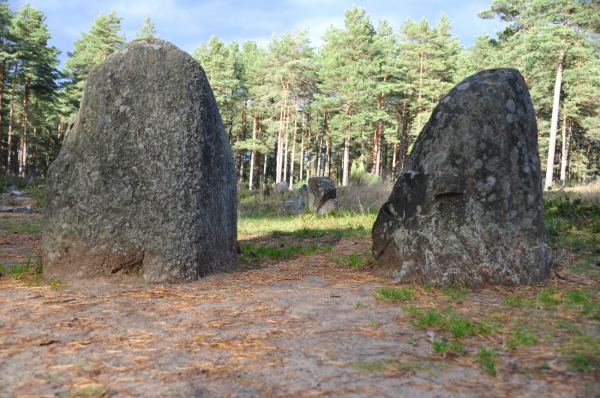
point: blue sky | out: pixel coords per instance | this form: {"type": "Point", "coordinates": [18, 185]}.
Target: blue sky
{"type": "Point", "coordinates": [187, 23]}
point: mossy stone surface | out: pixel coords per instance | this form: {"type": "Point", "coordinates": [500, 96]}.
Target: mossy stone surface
{"type": "Point", "coordinates": [145, 182]}
{"type": "Point", "coordinates": [468, 206]}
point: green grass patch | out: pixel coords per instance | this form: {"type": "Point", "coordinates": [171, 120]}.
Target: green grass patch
{"type": "Point", "coordinates": [582, 353]}
{"type": "Point", "coordinates": [521, 336]}
{"type": "Point", "coordinates": [403, 293]}
{"type": "Point", "coordinates": [487, 326]}
{"type": "Point", "coordinates": [343, 224]}
{"type": "Point", "coordinates": [353, 260]}
{"type": "Point", "coordinates": [276, 252]}
{"type": "Point", "coordinates": [488, 358]}
{"type": "Point", "coordinates": [445, 347]}
{"type": "Point", "coordinates": [458, 326]}
{"type": "Point", "coordinates": [456, 291]}
{"type": "Point", "coordinates": [27, 225]}
{"type": "Point", "coordinates": [571, 222]}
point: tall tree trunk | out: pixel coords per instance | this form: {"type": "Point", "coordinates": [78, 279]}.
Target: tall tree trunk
{"type": "Point", "coordinates": [286, 152]}
{"type": "Point", "coordinates": [293, 156]}
{"type": "Point", "coordinates": [2, 78]}
{"type": "Point", "coordinates": [10, 120]}
{"type": "Point", "coordinates": [23, 151]}
{"type": "Point", "coordinates": [252, 152]}
{"type": "Point", "coordinates": [308, 153]}
{"type": "Point", "coordinates": [319, 155]}
{"type": "Point", "coordinates": [327, 144]}
{"type": "Point", "coordinates": [378, 159]}
{"type": "Point", "coordinates": [34, 151]}
{"type": "Point", "coordinates": [419, 102]}
{"type": "Point", "coordinates": [279, 153]}
{"type": "Point", "coordinates": [362, 149]}
{"type": "Point", "coordinates": [565, 152]}
{"type": "Point", "coordinates": [554, 122]}
{"type": "Point", "coordinates": [264, 179]}
{"type": "Point", "coordinates": [346, 164]}
{"type": "Point", "coordinates": [394, 161]}
{"type": "Point", "coordinates": [301, 178]}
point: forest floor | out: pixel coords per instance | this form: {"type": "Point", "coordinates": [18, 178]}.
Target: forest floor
{"type": "Point", "coordinates": [302, 316]}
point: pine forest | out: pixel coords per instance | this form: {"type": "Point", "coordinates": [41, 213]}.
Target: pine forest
{"type": "Point", "coordinates": [349, 109]}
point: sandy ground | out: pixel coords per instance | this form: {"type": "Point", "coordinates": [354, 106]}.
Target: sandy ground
{"type": "Point", "coordinates": [291, 329]}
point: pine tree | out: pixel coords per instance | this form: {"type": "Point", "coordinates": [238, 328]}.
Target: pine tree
{"type": "Point", "coordinates": [6, 15]}
{"type": "Point", "coordinates": [349, 84]}
{"type": "Point", "coordinates": [33, 73]}
{"type": "Point", "coordinates": [548, 30]}
{"type": "Point", "coordinates": [90, 50]}
{"type": "Point", "coordinates": [147, 31]}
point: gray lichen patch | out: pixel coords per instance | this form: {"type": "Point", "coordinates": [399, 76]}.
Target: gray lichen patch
{"type": "Point", "coordinates": [144, 183]}
{"type": "Point", "coordinates": [468, 207]}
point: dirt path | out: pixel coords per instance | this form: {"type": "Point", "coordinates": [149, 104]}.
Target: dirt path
{"type": "Point", "coordinates": [291, 329]}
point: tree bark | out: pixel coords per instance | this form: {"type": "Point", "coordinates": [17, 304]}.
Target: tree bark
{"type": "Point", "coordinates": [278, 157]}
{"type": "Point", "coordinates": [346, 160]}
{"type": "Point", "coordinates": [285, 153]}
{"type": "Point", "coordinates": [327, 144]}
{"type": "Point", "coordinates": [565, 153]}
{"type": "Point", "coordinates": [10, 120]}
{"type": "Point", "coordinates": [2, 77]}
{"type": "Point", "coordinates": [23, 151]}
{"type": "Point", "coordinates": [252, 152]}
{"type": "Point", "coordinates": [419, 104]}
{"type": "Point", "coordinates": [293, 155]}
{"type": "Point", "coordinates": [554, 123]}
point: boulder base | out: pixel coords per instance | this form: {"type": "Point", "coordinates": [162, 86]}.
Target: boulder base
{"type": "Point", "coordinates": [144, 183]}
{"type": "Point", "coordinates": [468, 207]}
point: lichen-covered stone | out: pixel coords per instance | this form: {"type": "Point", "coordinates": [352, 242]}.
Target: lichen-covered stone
{"type": "Point", "coordinates": [320, 190]}
{"type": "Point", "coordinates": [281, 187]}
{"type": "Point", "coordinates": [468, 207]}
{"type": "Point", "coordinates": [293, 205]}
{"type": "Point", "coordinates": [328, 207]}
{"type": "Point", "coordinates": [144, 183]}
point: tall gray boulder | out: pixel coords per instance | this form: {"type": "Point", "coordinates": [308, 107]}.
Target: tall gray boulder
{"type": "Point", "coordinates": [144, 183]}
{"type": "Point", "coordinates": [468, 207]}
{"type": "Point", "coordinates": [320, 190]}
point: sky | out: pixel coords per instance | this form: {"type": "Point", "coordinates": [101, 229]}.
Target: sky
{"type": "Point", "coordinates": [187, 23]}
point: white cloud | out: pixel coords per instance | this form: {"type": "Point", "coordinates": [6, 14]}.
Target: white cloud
{"type": "Point", "coordinates": [186, 23]}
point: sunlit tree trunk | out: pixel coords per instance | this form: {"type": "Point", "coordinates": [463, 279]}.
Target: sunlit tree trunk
{"type": "Point", "coordinates": [554, 123]}
{"type": "Point", "coordinates": [293, 155]}
{"type": "Point", "coordinates": [252, 152]}
{"type": "Point", "coordinates": [565, 152]}
{"type": "Point", "coordinates": [10, 121]}
{"type": "Point", "coordinates": [23, 151]}
{"type": "Point", "coordinates": [327, 144]}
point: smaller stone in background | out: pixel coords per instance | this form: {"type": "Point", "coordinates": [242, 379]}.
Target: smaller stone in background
{"type": "Point", "coordinates": [320, 190]}
{"type": "Point", "coordinates": [16, 194]}
{"type": "Point", "coordinates": [23, 209]}
{"type": "Point", "coordinates": [281, 187]}
{"type": "Point", "coordinates": [303, 190]}
{"type": "Point", "coordinates": [328, 207]}
{"type": "Point", "coordinates": [12, 188]}
{"type": "Point", "coordinates": [293, 205]}
{"type": "Point", "coordinates": [6, 209]}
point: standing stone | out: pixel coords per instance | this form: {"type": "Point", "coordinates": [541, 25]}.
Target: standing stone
{"type": "Point", "coordinates": [293, 205]}
{"type": "Point", "coordinates": [320, 190]}
{"type": "Point", "coordinates": [468, 207]}
{"type": "Point", "coordinates": [145, 182]}
{"type": "Point", "coordinates": [328, 207]}
{"type": "Point", "coordinates": [281, 187]}
{"type": "Point", "coordinates": [303, 190]}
